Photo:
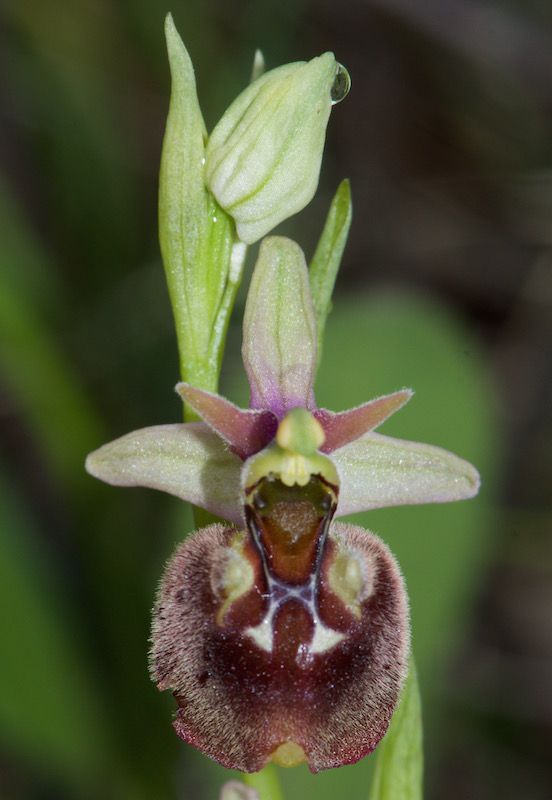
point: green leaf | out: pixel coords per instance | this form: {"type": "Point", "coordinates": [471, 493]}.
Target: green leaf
{"type": "Point", "coordinates": [327, 257]}
{"type": "Point", "coordinates": [50, 710]}
{"type": "Point", "coordinates": [26, 269]}
{"type": "Point", "coordinates": [32, 361]}
{"type": "Point", "coordinates": [399, 767]}
{"type": "Point", "coordinates": [197, 237]}
{"type": "Point", "coordinates": [67, 69]}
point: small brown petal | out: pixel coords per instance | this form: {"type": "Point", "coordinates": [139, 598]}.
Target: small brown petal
{"type": "Point", "coordinates": [246, 430]}
{"type": "Point", "coordinates": [343, 427]}
{"type": "Point", "coordinates": [239, 700]}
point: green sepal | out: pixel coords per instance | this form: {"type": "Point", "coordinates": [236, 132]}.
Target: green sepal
{"type": "Point", "coordinates": [325, 263]}
{"type": "Point", "coordinates": [400, 760]}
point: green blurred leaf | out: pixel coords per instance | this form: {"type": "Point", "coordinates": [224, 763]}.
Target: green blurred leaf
{"type": "Point", "coordinates": [399, 767]}
{"type": "Point", "coordinates": [50, 711]}
{"type": "Point", "coordinates": [45, 387]}
{"type": "Point", "coordinates": [32, 361]}
{"type": "Point", "coordinates": [63, 71]}
{"type": "Point", "coordinates": [327, 257]}
{"type": "Point", "coordinates": [25, 267]}
{"type": "Point", "coordinates": [55, 409]}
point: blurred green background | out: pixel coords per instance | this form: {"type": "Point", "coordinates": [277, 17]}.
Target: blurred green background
{"type": "Point", "coordinates": [446, 286]}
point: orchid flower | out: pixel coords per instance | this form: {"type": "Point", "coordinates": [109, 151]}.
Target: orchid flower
{"type": "Point", "coordinates": [283, 634]}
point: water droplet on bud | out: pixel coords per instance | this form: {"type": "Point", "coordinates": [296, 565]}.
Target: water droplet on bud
{"type": "Point", "coordinates": [341, 85]}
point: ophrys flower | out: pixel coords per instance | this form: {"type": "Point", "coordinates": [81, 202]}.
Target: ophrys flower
{"type": "Point", "coordinates": [283, 635]}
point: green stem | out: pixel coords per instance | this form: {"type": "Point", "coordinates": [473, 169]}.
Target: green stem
{"type": "Point", "coordinates": [203, 518]}
{"type": "Point", "coordinates": [266, 782]}
{"type": "Point", "coordinates": [224, 311]}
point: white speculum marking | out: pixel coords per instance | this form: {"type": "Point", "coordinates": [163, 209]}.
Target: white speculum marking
{"type": "Point", "coordinates": [323, 638]}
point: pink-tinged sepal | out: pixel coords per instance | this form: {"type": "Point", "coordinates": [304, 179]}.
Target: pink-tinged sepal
{"type": "Point", "coordinates": [317, 689]}
{"type": "Point", "coordinates": [279, 330]}
{"type": "Point", "coordinates": [343, 427]}
{"type": "Point", "coordinates": [186, 460]}
{"type": "Point", "coordinates": [378, 471]}
{"type": "Point", "coordinates": [246, 430]}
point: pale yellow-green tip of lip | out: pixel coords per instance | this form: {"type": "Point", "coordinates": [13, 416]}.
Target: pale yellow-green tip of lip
{"type": "Point", "coordinates": [288, 754]}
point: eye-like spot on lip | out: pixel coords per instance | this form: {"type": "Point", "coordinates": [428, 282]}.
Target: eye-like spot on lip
{"type": "Point", "coordinates": [232, 575]}
{"type": "Point", "coordinates": [239, 703]}
{"type": "Point", "coordinates": [350, 576]}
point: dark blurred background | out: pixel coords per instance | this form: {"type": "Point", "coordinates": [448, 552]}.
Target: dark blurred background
{"type": "Point", "coordinates": [446, 286]}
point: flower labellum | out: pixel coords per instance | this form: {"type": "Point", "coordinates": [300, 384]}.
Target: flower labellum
{"type": "Point", "coordinates": [304, 625]}
{"type": "Point", "coordinates": [263, 157]}
{"type": "Point", "coordinates": [283, 634]}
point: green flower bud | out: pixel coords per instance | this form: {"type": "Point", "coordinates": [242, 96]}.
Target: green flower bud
{"type": "Point", "coordinates": [263, 158]}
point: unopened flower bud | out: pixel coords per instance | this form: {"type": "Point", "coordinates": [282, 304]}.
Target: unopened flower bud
{"type": "Point", "coordinates": [263, 158]}
{"type": "Point", "coordinates": [235, 790]}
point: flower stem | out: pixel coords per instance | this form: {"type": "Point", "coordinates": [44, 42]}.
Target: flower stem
{"type": "Point", "coordinates": [266, 783]}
